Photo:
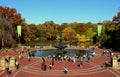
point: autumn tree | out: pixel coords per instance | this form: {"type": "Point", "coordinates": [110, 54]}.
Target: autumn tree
{"type": "Point", "coordinates": [14, 18]}
{"type": "Point", "coordinates": [63, 26]}
{"type": "Point", "coordinates": [51, 30]}
{"type": "Point", "coordinates": [41, 32]}
{"type": "Point", "coordinates": [6, 33]}
{"type": "Point", "coordinates": [69, 34]}
{"type": "Point", "coordinates": [80, 28]}
{"type": "Point", "coordinates": [11, 15]}
{"type": "Point", "coordinates": [32, 29]}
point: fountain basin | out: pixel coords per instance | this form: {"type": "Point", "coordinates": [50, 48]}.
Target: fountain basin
{"type": "Point", "coordinates": [68, 52]}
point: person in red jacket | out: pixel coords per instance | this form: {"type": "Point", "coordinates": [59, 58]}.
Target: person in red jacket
{"type": "Point", "coordinates": [52, 61]}
{"type": "Point", "coordinates": [42, 65]}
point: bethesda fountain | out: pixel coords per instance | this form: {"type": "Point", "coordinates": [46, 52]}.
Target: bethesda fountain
{"type": "Point", "coordinates": [60, 50]}
{"type": "Point", "coordinates": [60, 47]}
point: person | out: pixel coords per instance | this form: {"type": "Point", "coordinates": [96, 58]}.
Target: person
{"type": "Point", "coordinates": [112, 54]}
{"type": "Point", "coordinates": [17, 64]}
{"type": "Point", "coordinates": [42, 65]}
{"type": "Point", "coordinates": [45, 67]}
{"type": "Point", "coordinates": [65, 70]}
{"type": "Point", "coordinates": [28, 52]}
{"type": "Point", "coordinates": [81, 59]}
{"type": "Point", "coordinates": [74, 59]}
{"type": "Point", "coordinates": [28, 58]}
{"type": "Point", "coordinates": [19, 56]}
{"type": "Point", "coordinates": [52, 61]}
{"type": "Point", "coordinates": [8, 72]}
{"type": "Point", "coordinates": [50, 65]}
{"type": "Point", "coordinates": [93, 53]}
{"type": "Point", "coordinates": [43, 59]}
{"type": "Point", "coordinates": [7, 60]}
{"type": "Point", "coordinates": [107, 64]}
{"type": "Point", "coordinates": [79, 63]}
{"type": "Point", "coordinates": [84, 56]}
{"type": "Point", "coordinates": [88, 58]}
{"type": "Point", "coordinates": [103, 52]}
{"type": "Point", "coordinates": [22, 50]}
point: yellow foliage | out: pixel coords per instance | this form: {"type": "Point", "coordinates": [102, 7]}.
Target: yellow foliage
{"type": "Point", "coordinates": [69, 33]}
{"type": "Point", "coordinates": [82, 38]}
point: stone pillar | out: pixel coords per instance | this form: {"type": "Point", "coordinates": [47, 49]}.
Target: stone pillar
{"type": "Point", "coordinates": [118, 61]}
{"type": "Point", "coordinates": [115, 62]}
{"type": "Point", "coordinates": [2, 63]}
{"type": "Point", "coordinates": [12, 63]}
{"type": "Point", "coordinates": [118, 64]}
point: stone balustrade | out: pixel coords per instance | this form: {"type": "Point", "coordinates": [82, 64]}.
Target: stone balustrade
{"type": "Point", "coordinates": [7, 62]}
{"type": "Point", "coordinates": [116, 62]}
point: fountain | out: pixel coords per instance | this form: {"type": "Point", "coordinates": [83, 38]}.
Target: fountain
{"type": "Point", "coordinates": [60, 47]}
{"type": "Point", "coordinates": [60, 50]}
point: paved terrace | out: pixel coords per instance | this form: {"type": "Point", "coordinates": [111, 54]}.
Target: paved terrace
{"type": "Point", "coordinates": [32, 68]}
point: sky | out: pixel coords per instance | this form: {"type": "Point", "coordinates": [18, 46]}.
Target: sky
{"type": "Point", "coordinates": [64, 11]}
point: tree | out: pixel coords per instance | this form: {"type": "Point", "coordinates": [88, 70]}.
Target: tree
{"type": "Point", "coordinates": [13, 18]}
{"type": "Point", "coordinates": [69, 34]}
{"type": "Point", "coordinates": [41, 32]}
{"type": "Point", "coordinates": [80, 28]}
{"type": "Point", "coordinates": [51, 30]}
{"type": "Point", "coordinates": [11, 15]}
{"type": "Point", "coordinates": [89, 33]}
{"type": "Point", "coordinates": [63, 26]}
{"type": "Point", "coordinates": [6, 33]}
{"type": "Point", "coordinates": [32, 29]}
{"type": "Point", "coordinates": [112, 33]}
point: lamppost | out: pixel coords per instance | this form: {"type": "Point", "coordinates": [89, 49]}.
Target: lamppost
{"type": "Point", "coordinates": [99, 33]}
{"type": "Point", "coordinates": [19, 32]}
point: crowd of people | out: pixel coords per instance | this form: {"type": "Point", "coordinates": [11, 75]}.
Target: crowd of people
{"type": "Point", "coordinates": [79, 60]}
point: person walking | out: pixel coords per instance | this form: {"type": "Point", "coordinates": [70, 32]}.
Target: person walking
{"type": "Point", "coordinates": [50, 66]}
{"type": "Point", "coordinates": [52, 61]}
{"type": "Point", "coordinates": [8, 72]}
{"type": "Point", "coordinates": [45, 67]}
{"type": "Point", "coordinates": [88, 57]}
{"type": "Point", "coordinates": [65, 70]}
{"type": "Point", "coordinates": [17, 64]}
{"type": "Point", "coordinates": [42, 65]}
{"type": "Point", "coordinates": [28, 58]}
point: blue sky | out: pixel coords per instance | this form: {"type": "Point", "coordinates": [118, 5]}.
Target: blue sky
{"type": "Point", "coordinates": [60, 11]}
